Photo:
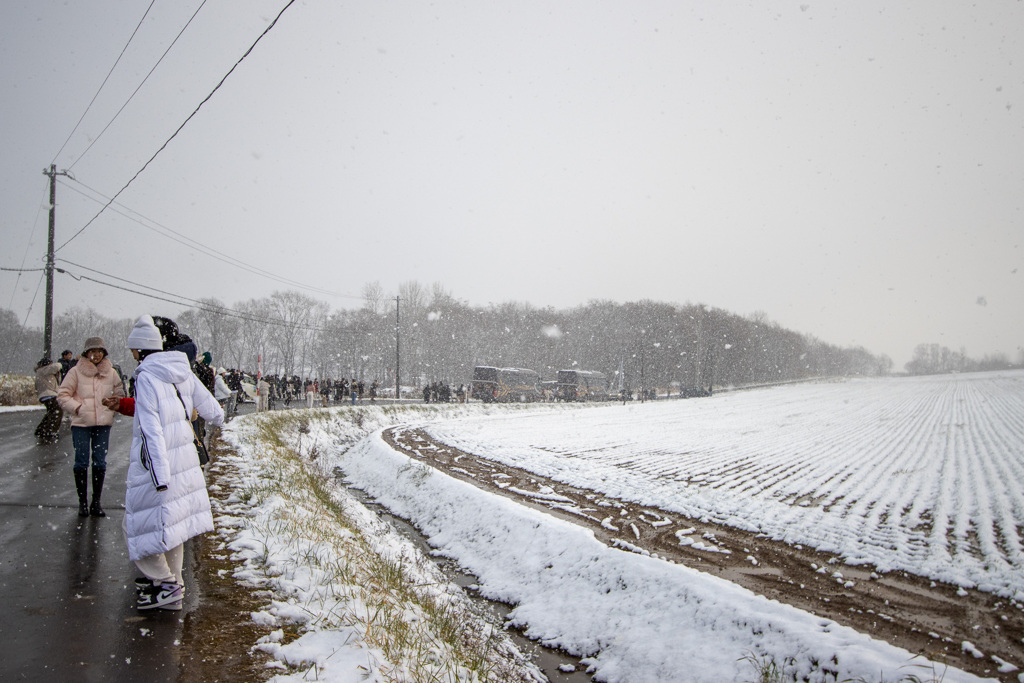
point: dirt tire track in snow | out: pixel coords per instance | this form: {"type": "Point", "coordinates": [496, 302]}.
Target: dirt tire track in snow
{"type": "Point", "coordinates": [905, 610]}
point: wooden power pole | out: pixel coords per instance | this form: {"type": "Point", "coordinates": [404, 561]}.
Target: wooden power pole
{"type": "Point", "coordinates": [48, 324]}
{"type": "Point", "coordinates": [398, 355]}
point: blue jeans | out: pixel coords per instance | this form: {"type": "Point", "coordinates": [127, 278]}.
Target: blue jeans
{"type": "Point", "coordinates": [94, 439]}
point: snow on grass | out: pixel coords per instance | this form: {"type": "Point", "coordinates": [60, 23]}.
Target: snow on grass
{"type": "Point", "coordinates": [878, 470]}
{"type": "Point", "coordinates": [351, 599]}
{"type": "Point", "coordinates": [16, 409]}
{"type": "Point", "coordinates": [17, 391]}
{"type": "Point", "coordinates": [916, 474]}
{"type": "Point", "coordinates": [631, 617]}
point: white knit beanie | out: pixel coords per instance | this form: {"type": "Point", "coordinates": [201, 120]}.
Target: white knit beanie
{"type": "Point", "coordinates": [144, 336]}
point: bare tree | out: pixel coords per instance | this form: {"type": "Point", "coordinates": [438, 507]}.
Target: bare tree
{"type": "Point", "coordinates": [295, 320]}
{"type": "Point", "coordinates": [253, 335]}
{"type": "Point", "coordinates": [374, 299]}
{"type": "Point", "coordinates": [212, 327]}
{"type": "Point", "coordinates": [20, 346]}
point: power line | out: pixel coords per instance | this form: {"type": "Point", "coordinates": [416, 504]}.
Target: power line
{"type": "Point", "coordinates": [146, 78]}
{"type": "Point", "coordinates": [28, 245]}
{"type": "Point", "coordinates": [93, 100]}
{"type": "Point", "coordinates": [181, 300]}
{"type": "Point", "coordinates": [184, 123]}
{"type": "Point", "coordinates": [186, 241]}
{"type": "Point", "coordinates": [136, 284]}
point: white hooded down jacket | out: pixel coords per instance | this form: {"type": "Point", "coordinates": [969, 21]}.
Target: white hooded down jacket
{"type": "Point", "coordinates": [163, 455]}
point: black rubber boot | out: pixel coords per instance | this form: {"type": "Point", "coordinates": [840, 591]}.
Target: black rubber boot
{"type": "Point", "coordinates": [81, 477]}
{"type": "Point", "coordinates": [97, 489]}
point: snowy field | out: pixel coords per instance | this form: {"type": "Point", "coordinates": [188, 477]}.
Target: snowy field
{"type": "Point", "coordinates": [920, 474]}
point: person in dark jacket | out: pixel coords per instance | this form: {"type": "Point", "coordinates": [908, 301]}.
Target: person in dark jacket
{"type": "Point", "coordinates": [204, 371]}
{"type": "Point", "coordinates": [67, 361]}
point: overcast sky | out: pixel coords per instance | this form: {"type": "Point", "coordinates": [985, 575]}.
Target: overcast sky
{"type": "Point", "coordinates": [854, 170]}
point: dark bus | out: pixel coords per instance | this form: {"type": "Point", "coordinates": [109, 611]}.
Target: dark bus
{"type": "Point", "coordinates": [505, 385]}
{"type": "Point", "coordinates": [582, 385]}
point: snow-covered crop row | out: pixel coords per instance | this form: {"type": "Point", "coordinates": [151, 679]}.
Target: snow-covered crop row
{"type": "Point", "coordinates": [919, 474]}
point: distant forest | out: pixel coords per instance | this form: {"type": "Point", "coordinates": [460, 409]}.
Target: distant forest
{"type": "Point", "coordinates": [440, 338]}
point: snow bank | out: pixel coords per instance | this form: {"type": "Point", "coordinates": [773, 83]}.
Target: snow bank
{"type": "Point", "coordinates": [358, 601]}
{"type": "Point", "coordinates": [633, 618]}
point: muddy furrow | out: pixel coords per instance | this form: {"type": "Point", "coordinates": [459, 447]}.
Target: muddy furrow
{"type": "Point", "coordinates": [908, 611]}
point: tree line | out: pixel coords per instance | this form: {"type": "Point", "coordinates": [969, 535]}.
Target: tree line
{"type": "Point", "coordinates": [934, 359]}
{"type": "Point", "coordinates": [434, 337]}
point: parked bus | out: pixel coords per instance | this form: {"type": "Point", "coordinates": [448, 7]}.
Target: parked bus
{"type": "Point", "coordinates": [505, 385]}
{"type": "Point", "coordinates": [582, 385]}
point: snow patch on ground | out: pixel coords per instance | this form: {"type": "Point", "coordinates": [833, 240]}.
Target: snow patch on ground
{"type": "Point", "coordinates": [631, 617]}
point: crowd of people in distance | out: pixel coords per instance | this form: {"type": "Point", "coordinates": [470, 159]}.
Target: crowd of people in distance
{"type": "Point", "coordinates": [441, 392]}
{"type": "Point", "coordinates": [315, 391]}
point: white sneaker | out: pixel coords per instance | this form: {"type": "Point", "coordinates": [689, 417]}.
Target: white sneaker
{"type": "Point", "coordinates": [163, 595]}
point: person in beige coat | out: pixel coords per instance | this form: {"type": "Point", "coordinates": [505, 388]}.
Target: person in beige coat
{"type": "Point", "coordinates": [47, 383]}
{"type": "Point", "coordinates": [81, 395]}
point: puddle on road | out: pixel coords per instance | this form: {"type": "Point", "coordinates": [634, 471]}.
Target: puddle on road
{"type": "Point", "coordinates": [548, 660]}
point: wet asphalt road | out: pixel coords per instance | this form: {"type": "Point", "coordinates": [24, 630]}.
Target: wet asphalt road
{"type": "Point", "coordinates": [66, 584]}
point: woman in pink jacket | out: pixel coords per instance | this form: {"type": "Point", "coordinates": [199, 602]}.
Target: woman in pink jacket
{"type": "Point", "coordinates": [81, 394]}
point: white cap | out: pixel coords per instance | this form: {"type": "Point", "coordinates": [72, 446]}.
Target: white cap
{"type": "Point", "coordinates": [144, 336]}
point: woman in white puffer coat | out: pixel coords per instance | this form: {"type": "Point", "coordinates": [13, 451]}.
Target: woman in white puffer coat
{"type": "Point", "coordinates": [166, 501]}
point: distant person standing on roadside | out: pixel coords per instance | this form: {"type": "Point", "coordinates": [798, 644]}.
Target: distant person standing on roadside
{"type": "Point", "coordinates": [234, 383]}
{"type": "Point", "coordinates": [48, 375]}
{"type": "Point", "coordinates": [262, 395]}
{"type": "Point", "coordinates": [81, 395]}
{"type": "Point", "coordinates": [221, 392]}
{"type": "Point", "coordinates": [166, 501]}
{"type": "Point", "coordinates": [67, 361]}
{"type": "Point", "coordinates": [204, 371]}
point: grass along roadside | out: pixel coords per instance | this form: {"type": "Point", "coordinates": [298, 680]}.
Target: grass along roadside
{"type": "Point", "coordinates": [338, 587]}
{"type": "Point", "coordinates": [17, 390]}
{"type": "Point", "coordinates": [303, 590]}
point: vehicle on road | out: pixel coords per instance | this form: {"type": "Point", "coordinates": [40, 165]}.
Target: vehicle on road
{"type": "Point", "coordinates": [505, 385]}
{"type": "Point", "coordinates": [582, 385]}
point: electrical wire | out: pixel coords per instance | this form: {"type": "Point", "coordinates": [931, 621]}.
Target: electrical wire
{"type": "Point", "coordinates": [186, 241]}
{"type": "Point", "coordinates": [139, 87]}
{"type": "Point", "coordinates": [184, 123]}
{"type": "Point", "coordinates": [181, 300]}
{"type": "Point", "coordinates": [93, 100]}
{"type": "Point", "coordinates": [28, 243]}
{"type": "Point", "coordinates": [14, 289]}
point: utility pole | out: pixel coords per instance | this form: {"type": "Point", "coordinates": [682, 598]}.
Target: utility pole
{"type": "Point", "coordinates": [643, 377]}
{"type": "Point", "coordinates": [48, 324]}
{"type": "Point", "coordinates": [398, 355]}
